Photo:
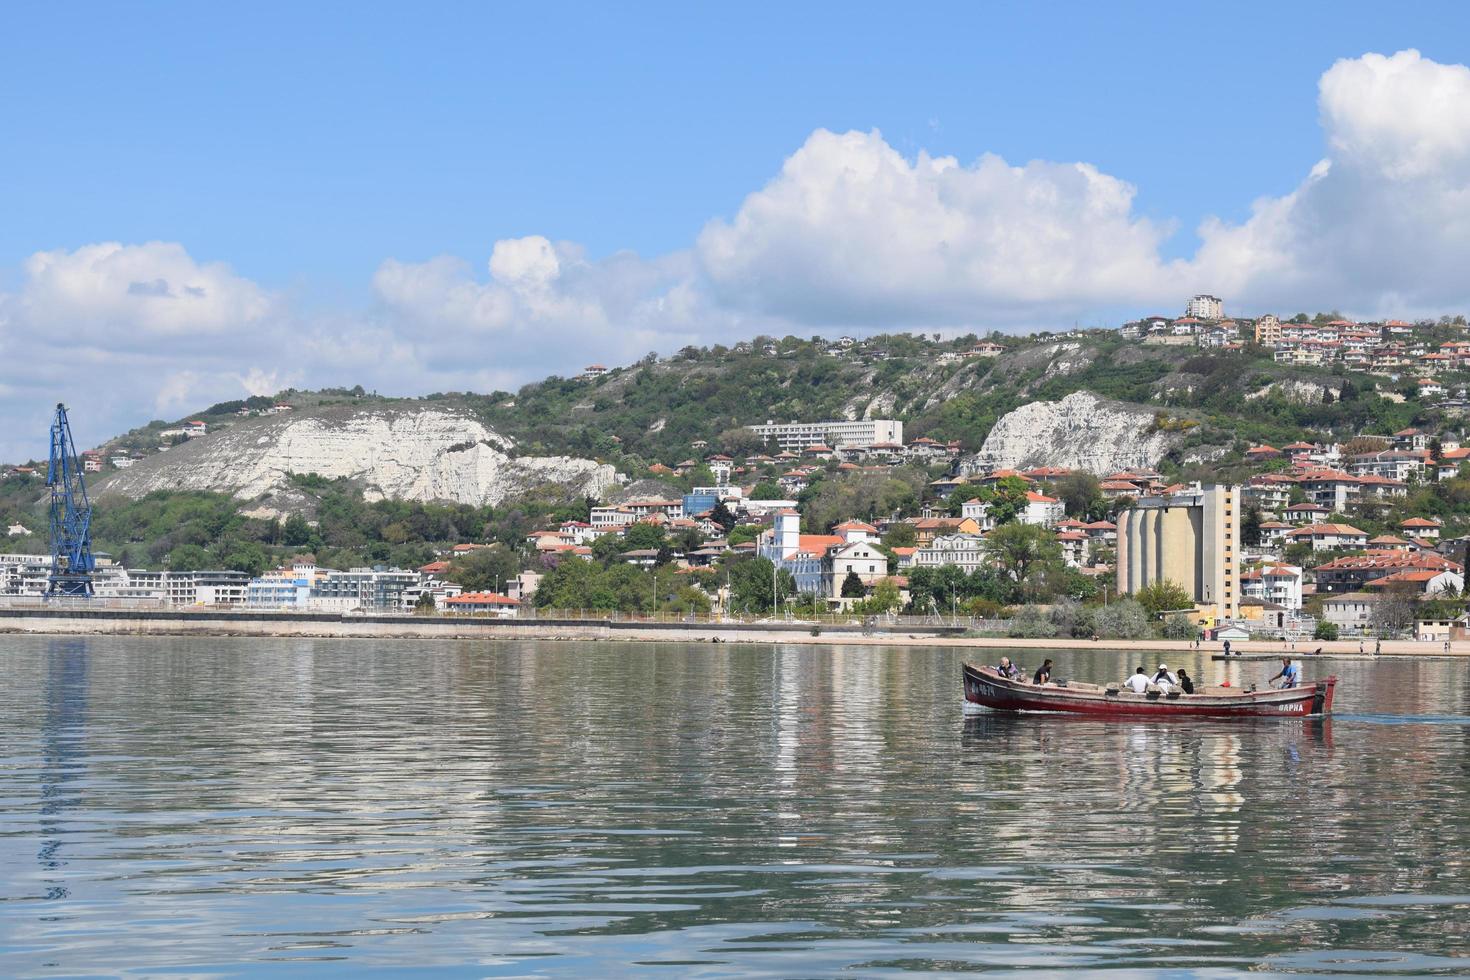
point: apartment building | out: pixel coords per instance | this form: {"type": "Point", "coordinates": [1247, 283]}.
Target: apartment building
{"type": "Point", "coordinates": [839, 434]}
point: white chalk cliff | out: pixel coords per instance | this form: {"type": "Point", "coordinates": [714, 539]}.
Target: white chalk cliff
{"type": "Point", "coordinates": [1082, 432]}
{"type": "Point", "coordinates": [402, 453]}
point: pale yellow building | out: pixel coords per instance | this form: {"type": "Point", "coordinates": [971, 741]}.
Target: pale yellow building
{"type": "Point", "coordinates": [1268, 330]}
{"type": "Point", "coordinates": [1190, 538]}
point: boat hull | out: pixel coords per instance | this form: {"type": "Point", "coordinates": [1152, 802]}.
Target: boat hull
{"type": "Point", "coordinates": [983, 686]}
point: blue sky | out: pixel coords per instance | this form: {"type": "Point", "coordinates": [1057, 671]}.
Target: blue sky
{"type": "Point", "coordinates": [321, 194]}
{"type": "Point", "coordinates": [305, 142]}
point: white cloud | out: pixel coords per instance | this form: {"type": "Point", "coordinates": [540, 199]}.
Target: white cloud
{"type": "Point", "coordinates": [852, 232]}
{"type": "Point", "coordinates": [1379, 227]}
{"type": "Point", "coordinates": [148, 291]}
{"type": "Point", "coordinates": [545, 305]}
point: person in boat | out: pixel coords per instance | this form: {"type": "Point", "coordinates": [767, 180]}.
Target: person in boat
{"type": "Point", "coordinates": [1290, 674]}
{"type": "Point", "coordinates": [1043, 673]}
{"type": "Point", "coordinates": [1138, 683]}
{"type": "Point", "coordinates": [1165, 678]}
{"type": "Point", "coordinates": [1227, 648]}
{"type": "Point", "coordinates": [1186, 684]}
{"type": "Point", "coordinates": [1008, 669]}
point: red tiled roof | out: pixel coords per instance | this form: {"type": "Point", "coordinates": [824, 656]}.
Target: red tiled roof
{"type": "Point", "coordinates": [1313, 530]}
{"type": "Point", "coordinates": [481, 598]}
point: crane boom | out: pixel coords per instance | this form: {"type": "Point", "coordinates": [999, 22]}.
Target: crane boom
{"type": "Point", "coordinates": [71, 516]}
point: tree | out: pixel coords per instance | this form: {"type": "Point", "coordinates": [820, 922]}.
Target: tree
{"type": "Point", "coordinates": [900, 534]}
{"type": "Point", "coordinates": [741, 533]}
{"type": "Point", "coordinates": [1250, 526]}
{"type": "Point", "coordinates": [1163, 596]}
{"type": "Point", "coordinates": [188, 558]}
{"type": "Point", "coordinates": [852, 587]}
{"type": "Point", "coordinates": [425, 605]}
{"type": "Point", "coordinates": [767, 490]}
{"type": "Point", "coordinates": [1081, 494]}
{"type": "Point", "coordinates": [484, 569]}
{"type": "Point", "coordinates": [866, 496]}
{"type": "Point", "coordinates": [750, 585]}
{"type": "Point", "coordinates": [643, 536]}
{"type": "Point", "coordinates": [1326, 630]}
{"type": "Point", "coordinates": [1004, 499]}
{"type": "Point", "coordinates": [296, 532]}
{"type": "Point", "coordinates": [1178, 627]}
{"type": "Point", "coordinates": [721, 515]}
{"type": "Point", "coordinates": [885, 599]}
{"type": "Point", "coordinates": [1393, 612]}
{"type": "Point", "coordinates": [1018, 549]}
{"type": "Point", "coordinates": [248, 557]}
{"type": "Point", "coordinates": [607, 547]}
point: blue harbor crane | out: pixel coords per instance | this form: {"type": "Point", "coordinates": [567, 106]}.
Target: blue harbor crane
{"type": "Point", "coordinates": [71, 517]}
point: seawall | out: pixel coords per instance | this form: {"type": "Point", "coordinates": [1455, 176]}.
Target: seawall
{"type": "Point", "coordinates": [285, 624]}
{"type": "Point", "coordinates": [156, 622]}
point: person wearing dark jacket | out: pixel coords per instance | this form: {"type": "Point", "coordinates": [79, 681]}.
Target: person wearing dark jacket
{"type": "Point", "coordinates": [1186, 683]}
{"type": "Point", "coordinates": [1043, 673]}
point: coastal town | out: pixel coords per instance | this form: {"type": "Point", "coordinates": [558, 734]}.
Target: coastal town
{"type": "Point", "coordinates": [1313, 538]}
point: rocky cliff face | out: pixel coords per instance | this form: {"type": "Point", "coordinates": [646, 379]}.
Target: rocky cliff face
{"type": "Point", "coordinates": [404, 453]}
{"type": "Point", "coordinates": [1082, 431]}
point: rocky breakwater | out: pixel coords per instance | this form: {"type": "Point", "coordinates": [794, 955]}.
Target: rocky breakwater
{"type": "Point", "coordinates": [1082, 431]}
{"type": "Point", "coordinates": [406, 453]}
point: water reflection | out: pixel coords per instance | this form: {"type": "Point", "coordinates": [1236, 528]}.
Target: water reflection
{"type": "Point", "coordinates": [587, 809]}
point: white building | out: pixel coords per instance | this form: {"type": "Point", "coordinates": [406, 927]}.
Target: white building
{"type": "Point", "coordinates": [1041, 510]}
{"type": "Point", "coordinates": [840, 433]}
{"type": "Point", "coordinates": [1326, 536]}
{"type": "Point", "coordinates": [964, 551]}
{"type": "Point", "coordinates": [1350, 610]}
{"type": "Point", "coordinates": [1281, 584]}
{"type": "Point", "coordinates": [366, 589]}
{"type": "Point", "coordinates": [1205, 307]}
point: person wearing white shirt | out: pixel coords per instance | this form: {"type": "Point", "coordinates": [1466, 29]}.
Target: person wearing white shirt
{"type": "Point", "coordinates": [1138, 683]}
{"type": "Point", "coordinates": [1165, 679]}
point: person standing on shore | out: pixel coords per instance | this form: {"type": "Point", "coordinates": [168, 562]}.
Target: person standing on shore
{"type": "Point", "coordinates": [1360, 646]}
{"type": "Point", "coordinates": [1377, 646]}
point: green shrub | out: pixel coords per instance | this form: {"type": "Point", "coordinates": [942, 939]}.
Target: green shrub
{"type": "Point", "coordinates": [1031, 622]}
{"type": "Point", "coordinates": [1325, 630]}
{"type": "Point", "coordinates": [1180, 628]}
{"type": "Point", "coordinates": [1124, 619]}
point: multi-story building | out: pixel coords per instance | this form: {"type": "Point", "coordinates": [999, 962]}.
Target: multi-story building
{"type": "Point", "coordinates": [1268, 330]}
{"type": "Point", "coordinates": [1190, 538]}
{"type": "Point", "coordinates": [964, 551]}
{"type": "Point", "coordinates": [211, 587]}
{"type": "Point", "coordinates": [1204, 307]}
{"type": "Point", "coordinates": [285, 588]}
{"type": "Point", "coordinates": [839, 433]}
{"type": "Point", "coordinates": [1353, 572]}
{"type": "Point", "coordinates": [1281, 584]}
{"type": "Point", "coordinates": [1326, 537]}
{"type": "Point", "coordinates": [377, 588]}
{"type": "Point", "coordinates": [1330, 489]}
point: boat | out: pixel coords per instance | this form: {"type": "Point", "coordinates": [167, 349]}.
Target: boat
{"type": "Point", "coordinates": [984, 686]}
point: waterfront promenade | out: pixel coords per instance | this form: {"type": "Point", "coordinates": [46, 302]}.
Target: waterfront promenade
{"type": "Point", "coordinates": [154, 622]}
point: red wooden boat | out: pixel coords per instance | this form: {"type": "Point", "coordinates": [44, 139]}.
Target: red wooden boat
{"type": "Point", "coordinates": [984, 686]}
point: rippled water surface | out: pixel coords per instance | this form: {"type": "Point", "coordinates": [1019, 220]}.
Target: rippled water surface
{"type": "Point", "coordinates": [226, 807]}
